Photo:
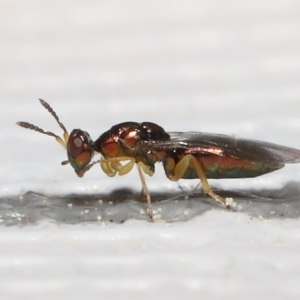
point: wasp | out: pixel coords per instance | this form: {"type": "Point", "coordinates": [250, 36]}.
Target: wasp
{"type": "Point", "coordinates": [184, 155]}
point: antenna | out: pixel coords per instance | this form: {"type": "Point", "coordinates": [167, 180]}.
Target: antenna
{"type": "Point", "coordinates": [30, 126]}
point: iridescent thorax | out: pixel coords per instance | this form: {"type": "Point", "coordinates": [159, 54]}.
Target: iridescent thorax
{"type": "Point", "coordinates": [185, 155]}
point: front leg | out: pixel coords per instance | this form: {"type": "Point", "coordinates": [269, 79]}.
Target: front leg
{"type": "Point", "coordinates": [113, 165]}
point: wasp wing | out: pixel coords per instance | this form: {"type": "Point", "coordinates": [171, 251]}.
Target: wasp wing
{"type": "Point", "coordinates": [227, 146]}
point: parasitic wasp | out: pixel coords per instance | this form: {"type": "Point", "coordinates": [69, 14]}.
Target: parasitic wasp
{"type": "Point", "coordinates": [184, 155]}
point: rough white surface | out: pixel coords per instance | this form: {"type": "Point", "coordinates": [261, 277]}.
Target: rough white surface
{"type": "Point", "coordinates": [229, 67]}
{"type": "Point", "coordinates": [218, 255]}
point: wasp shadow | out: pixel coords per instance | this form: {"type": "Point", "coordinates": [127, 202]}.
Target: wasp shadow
{"type": "Point", "coordinates": [123, 204]}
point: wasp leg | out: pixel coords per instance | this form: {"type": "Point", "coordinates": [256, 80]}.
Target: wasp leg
{"type": "Point", "coordinates": [107, 168]}
{"type": "Point", "coordinates": [141, 168]}
{"type": "Point", "coordinates": [113, 165]}
{"type": "Point", "coordinates": [181, 168]}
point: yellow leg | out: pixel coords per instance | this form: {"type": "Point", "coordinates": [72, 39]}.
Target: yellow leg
{"type": "Point", "coordinates": [107, 168]}
{"type": "Point", "coordinates": [111, 166]}
{"type": "Point", "coordinates": [182, 166]}
{"type": "Point", "coordinates": [140, 167]}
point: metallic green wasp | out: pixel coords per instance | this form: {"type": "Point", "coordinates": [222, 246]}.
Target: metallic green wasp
{"type": "Point", "coordinates": [184, 155]}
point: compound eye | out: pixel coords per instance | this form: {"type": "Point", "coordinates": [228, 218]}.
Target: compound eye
{"type": "Point", "coordinates": [75, 146]}
{"type": "Point", "coordinates": [79, 149]}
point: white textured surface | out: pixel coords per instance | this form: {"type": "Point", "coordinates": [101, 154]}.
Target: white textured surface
{"type": "Point", "coordinates": [251, 259]}
{"type": "Point", "coordinates": [227, 67]}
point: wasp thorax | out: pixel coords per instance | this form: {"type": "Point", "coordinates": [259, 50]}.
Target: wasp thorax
{"type": "Point", "coordinates": [124, 139]}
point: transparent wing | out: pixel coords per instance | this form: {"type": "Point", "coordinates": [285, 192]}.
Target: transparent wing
{"type": "Point", "coordinates": [228, 146]}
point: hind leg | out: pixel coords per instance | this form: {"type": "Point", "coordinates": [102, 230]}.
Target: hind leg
{"type": "Point", "coordinates": [181, 167]}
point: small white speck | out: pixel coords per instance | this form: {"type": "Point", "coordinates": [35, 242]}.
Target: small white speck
{"type": "Point", "coordinates": [110, 202]}
{"type": "Point", "coordinates": [159, 209]}
{"type": "Point", "coordinates": [260, 218]}
{"type": "Point", "coordinates": [186, 212]}
{"type": "Point", "coordinates": [157, 217]}
{"type": "Point", "coordinates": [142, 212]}
{"type": "Point", "coordinates": [86, 211]}
{"type": "Point", "coordinates": [100, 201]}
{"type": "Point", "coordinates": [99, 218]}
{"type": "Point", "coordinates": [70, 204]}
{"type": "Point", "coordinates": [82, 212]}
{"type": "Point", "coordinates": [229, 202]}
{"type": "Point", "coordinates": [19, 219]}
{"type": "Point", "coordinates": [1, 220]}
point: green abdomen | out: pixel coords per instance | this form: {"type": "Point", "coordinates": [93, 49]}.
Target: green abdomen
{"type": "Point", "coordinates": [223, 167]}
